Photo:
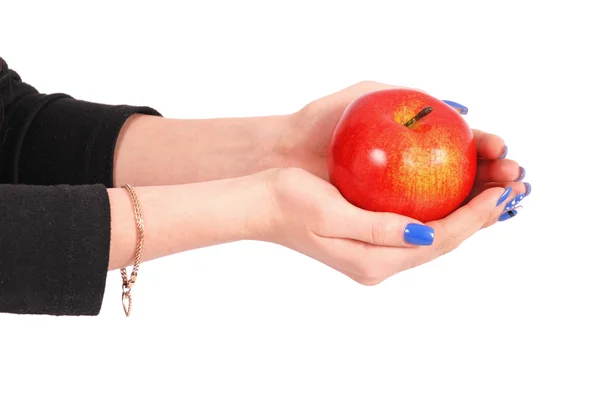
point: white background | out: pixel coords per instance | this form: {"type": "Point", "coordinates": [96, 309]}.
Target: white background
{"type": "Point", "coordinates": [513, 314]}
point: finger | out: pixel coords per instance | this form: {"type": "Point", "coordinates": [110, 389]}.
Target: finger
{"type": "Point", "coordinates": [454, 229]}
{"type": "Point", "coordinates": [517, 188]}
{"type": "Point", "coordinates": [489, 146]}
{"type": "Point", "coordinates": [499, 170]}
{"type": "Point", "coordinates": [508, 213]}
{"type": "Point", "coordinates": [512, 204]}
{"type": "Point", "coordinates": [463, 110]}
{"type": "Point", "coordinates": [505, 216]}
{"type": "Point", "coordinates": [347, 221]}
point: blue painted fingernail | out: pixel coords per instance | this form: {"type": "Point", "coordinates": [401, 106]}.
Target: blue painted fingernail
{"type": "Point", "coordinates": [514, 202]}
{"type": "Point", "coordinates": [507, 215]}
{"type": "Point", "coordinates": [504, 196]}
{"type": "Point", "coordinates": [457, 106]}
{"type": "Point", "coordinates": [504, 153]}
{"type": "Point", "coordinates": [521, 175]}
{"type": "Point", "coordinates": [527, 188]}
{"type": "Point", "coordinates": [418, 234]}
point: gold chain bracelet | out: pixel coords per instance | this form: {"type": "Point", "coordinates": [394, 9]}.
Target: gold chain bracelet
{"type": "Point", "coordinates": [128, 283]}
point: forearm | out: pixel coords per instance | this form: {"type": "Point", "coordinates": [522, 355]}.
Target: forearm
{"type": "Point", "coordinates": [179, 218]}
{"type": "Point", "coordinates": [69, 141]}
{"type": "Point", "coordinates": [159, 151]}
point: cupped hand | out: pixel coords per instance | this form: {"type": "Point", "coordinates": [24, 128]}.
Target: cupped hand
{"type": "Point", "coordinates": [314, 124]}
{"type": "Point", "coordinates": [310, 216]}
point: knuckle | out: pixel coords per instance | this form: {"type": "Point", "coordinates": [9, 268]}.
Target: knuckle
{"type": "Point", "coordinates": [509, 165]}
{"type": "Point", "coordinates": [397, 262]}
{"type": "Point", "coordinates": [369, 282]}
{"type": "Point", "coordinates": [448, 245]}
{"type": "Point", "coordinates": [321, 217]}
{"type": "Point", "coordinates": [293, 173]}
{"type": "Point", "coordinates": [446, 248]}
{"type": "Point", "coordinates": [478, 215]}
{"type": "Point", "coordinates": [367, 275]}
{"type": "Point", "coordinates": [320, 221]}
{"type": "Point", "coordinates": [480, 218]}
{"type": "Point", "coordinates": [380, 232]}
{"type": "Point", "coordinates": [368, 83]}
{"type": "Point", "coordinates": [280, 179]}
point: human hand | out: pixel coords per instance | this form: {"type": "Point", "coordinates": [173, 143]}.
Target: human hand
{"type": "Point", "coordinates": [309, 215]}
{"type": "Point", "coordinates": [306, 145]}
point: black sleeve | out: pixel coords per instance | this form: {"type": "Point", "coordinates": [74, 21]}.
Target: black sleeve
{"type": "Point", "coordinates": [55, 139]}
{"type": "Point", "coordinates": [55, 243]}
{"type": "Point", "coordinates": [56, 161]}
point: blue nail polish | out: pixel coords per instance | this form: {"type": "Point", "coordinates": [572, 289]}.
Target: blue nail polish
{"type": "Point", "coordinates": [418, 234]}
{"type": "Point", "coordinates": [507, 215]}
{"type": "Point", "coordinates": [527, 188]}
{"type": "Point", "coordinates": [457, 106]}
{"type": "Point", "coordinates": [521, 175]}
{"type": "Point", "coordinates": [504, 196]}
{"type": "Point", "coordinates": [514, 202]}
{"type": "Point", "coordinates": [504, 153]}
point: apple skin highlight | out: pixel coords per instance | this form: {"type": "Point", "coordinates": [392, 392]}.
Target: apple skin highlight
{"type": "Point", "coordinates": [424, 171]}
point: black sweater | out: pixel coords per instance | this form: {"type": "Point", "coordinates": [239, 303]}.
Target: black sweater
{"type": "Point", "coordinates": [56, 162]}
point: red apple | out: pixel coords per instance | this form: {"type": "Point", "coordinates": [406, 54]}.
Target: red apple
{"type": "Point", "coordinates": [403, 151]}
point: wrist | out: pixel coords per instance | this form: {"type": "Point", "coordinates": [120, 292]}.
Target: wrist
{"type": "Point", "coordinates": [271, 139]}
{"type": "Point", "coordinates": [180, 218]}
{"type": "Point", "coordinates": [296, 147]}
{"type": "Point", "coordinates": [242, 206]}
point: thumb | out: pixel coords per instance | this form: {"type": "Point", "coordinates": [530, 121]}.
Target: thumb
{"type": "Point", "coordinates": [384, 229]}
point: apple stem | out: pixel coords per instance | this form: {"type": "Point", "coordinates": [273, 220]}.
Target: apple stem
{"type": "Point", "coordinates": [419, 116]}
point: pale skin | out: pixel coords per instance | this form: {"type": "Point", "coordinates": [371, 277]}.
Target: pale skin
{"type": "Point", "coordinates": [208, 182]}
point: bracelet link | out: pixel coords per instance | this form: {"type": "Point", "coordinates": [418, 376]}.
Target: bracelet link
{"type": "Point", "coordinates": [128, 283]}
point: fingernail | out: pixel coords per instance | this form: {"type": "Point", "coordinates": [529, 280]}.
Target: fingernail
{"type": "Point", "coordinates": [418, 234]}
{"type": "Point", "coordinates": [504, 196]}
{"type": "Point", "coordinates": [504, 153]}
{"type": "Point", "coordinates": [521, 175]}
{"type": "Point", "coordinates": [457, 106]}
{"type": "Point", "coordinates": [507, 215]}
{"type": "Point", "coordinates": [527, 188]}
{"type": "Point", "coordinates": [514, 202]}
